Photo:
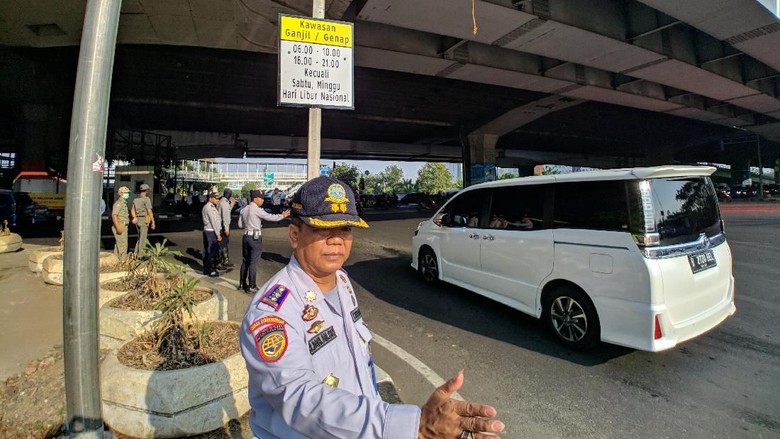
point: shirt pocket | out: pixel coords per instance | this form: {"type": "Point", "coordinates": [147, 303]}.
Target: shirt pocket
{"type": "Point", "coordinates": [364, 337]}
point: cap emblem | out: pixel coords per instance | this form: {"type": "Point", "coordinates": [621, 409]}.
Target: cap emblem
{"type": "Point", "coordinates": [338, 197]}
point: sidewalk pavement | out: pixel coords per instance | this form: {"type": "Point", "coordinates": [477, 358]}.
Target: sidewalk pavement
{"type": "Point", "coordinates": [31, 313]}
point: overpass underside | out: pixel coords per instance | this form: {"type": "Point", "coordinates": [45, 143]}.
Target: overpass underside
{"type": "Point", "coordinates": [586, 82]}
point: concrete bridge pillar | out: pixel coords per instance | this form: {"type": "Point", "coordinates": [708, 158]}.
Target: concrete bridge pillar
{"type": "Point", "coordinates": [526, 170]}
{"type": "Point", "coordinates": [480, 163]}
{"type": "Point", "coordinates": [740, 171]}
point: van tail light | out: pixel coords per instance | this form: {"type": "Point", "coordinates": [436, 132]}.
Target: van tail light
{"type": "Point", "coordinates": [657, 335]}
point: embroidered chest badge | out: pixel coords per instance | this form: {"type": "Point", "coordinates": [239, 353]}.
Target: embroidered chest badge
{"type": "Point", "coordinates": [275, 296]}
{"type": "Point", "coordinates": [311, 296]}
{"type": "Point", "coordinates": [337, 196]}
{"type": "Point", "coordinates": [270, 338]}
{"type": "Point", "coordinates": [309, 313]}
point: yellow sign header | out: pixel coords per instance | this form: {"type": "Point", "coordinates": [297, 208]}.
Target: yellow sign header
{"type": "Point", "coordinates": [307, 30]}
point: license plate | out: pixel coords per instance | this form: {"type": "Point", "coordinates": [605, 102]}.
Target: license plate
{"type": "Point", "coordinates": [702, 261]}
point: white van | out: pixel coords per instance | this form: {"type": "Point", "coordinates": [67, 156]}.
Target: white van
{"type": "Point", "coordinates": [635, 257]}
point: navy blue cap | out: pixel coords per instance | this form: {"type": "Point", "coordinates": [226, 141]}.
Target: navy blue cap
{"type": "Point", "coordinates": [325, 203]}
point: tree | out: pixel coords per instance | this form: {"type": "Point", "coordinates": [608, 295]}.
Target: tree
{"type": "Point", "coordinates": [349, 174]}
{"type": "Point", "coordinates": [407, 186]}
{"type": "Point", "coordinates": [246, 188]}
{"type": "Point", "coordinates": [433, 178]}
{"type": "Point", "coordinates": [373, 184]}
{"type": "Point", "coordinates": [507, 176]}
{"type": "Point", "coordinates": [392, 176]}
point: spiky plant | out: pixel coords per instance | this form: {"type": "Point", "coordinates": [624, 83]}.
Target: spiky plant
{"type": "Point", "coordinates": [170, 333]}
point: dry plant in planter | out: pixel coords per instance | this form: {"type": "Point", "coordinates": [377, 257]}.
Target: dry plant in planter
{"type": "Point", "coordinates": [182, 377]}
{"type": "Point", "coordinates": [132, 309]}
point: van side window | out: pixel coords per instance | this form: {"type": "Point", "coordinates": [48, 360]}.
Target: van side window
{"type": "Point", "coordinates": [595, 205]}
{"type": "Point", "coordinates": [464, 210]}
{"type": "Point", "coordinates": [517, 208]}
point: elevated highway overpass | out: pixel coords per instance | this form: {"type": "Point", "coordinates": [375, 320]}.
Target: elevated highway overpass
{"type": "Point", "coordinates": [599, 83]}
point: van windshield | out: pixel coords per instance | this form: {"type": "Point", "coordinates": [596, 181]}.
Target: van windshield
{"type": "Point", "coordinates": [682, 208]}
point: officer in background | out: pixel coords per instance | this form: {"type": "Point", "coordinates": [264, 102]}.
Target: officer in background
{"type": "Point", "coordinates": [212, 226]}
{"type": "Point", "coordinates": [120, 218]}
{"type": "Point", "coordinates": [307, 348]}
{"type": "Point", "coordinates": [226, 204]}
{"type": "Point", "coordinates": [143, 217]}
{"type": "Point", "coordinates": [250, 218]}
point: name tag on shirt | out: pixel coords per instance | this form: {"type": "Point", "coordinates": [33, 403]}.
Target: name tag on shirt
{"type": "Point", "coordinates": [323, 338]}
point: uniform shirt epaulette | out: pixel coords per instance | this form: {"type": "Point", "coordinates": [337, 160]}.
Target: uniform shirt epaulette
{"type": "Point", "coordinates": [275, 296]}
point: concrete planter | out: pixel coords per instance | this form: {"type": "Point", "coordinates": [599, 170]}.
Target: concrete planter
{"type": "Point", "coordinates": [10, 243]}
{"type": "Point", "coordinates": [120, 325]}
{"type": "Point", "coordinates": [173, 403]}
{"type": "Point", "coordinates": [35, 261]}
{"type": "Point", "coordinates": [52, 266]}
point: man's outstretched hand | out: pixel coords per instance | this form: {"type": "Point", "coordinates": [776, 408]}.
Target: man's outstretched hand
{"type": "Point", "coordinates": [445, 418]}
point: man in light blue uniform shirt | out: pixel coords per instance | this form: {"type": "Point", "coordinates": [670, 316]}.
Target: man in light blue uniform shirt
{"type": "Point", "coordinates": [307, 348]}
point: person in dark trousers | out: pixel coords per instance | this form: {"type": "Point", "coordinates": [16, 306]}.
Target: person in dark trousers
{"type": "Point", "coordinates": [251, 218]}
{"type": "Point", "coordinates": [226, 204]}
{"type": "Point", "coordinates": [212, 226]}
{"type": "Point", "coordinates": [143, 217]}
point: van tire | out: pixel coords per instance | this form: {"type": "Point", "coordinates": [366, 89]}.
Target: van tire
{"type": "Point", "coordinates": [427, 265]}
{"type": "Point", "coordinates": [571, 318]}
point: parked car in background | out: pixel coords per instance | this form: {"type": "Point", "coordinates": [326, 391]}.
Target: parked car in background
{"type": "Point", "coordinates": [28, 212]}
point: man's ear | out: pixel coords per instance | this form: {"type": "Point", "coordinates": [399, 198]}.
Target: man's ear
{"type": "Point", "coordinates": [292, 233]}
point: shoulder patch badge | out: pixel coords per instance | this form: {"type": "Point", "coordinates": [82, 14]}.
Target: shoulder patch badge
{"type": "Point", "coordinates": [270, 338]}
{"type": "Point", "coordinates": [275, 296]}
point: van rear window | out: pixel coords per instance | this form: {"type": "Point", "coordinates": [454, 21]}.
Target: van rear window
{"type": "Point", "coordinates": [681, 210]}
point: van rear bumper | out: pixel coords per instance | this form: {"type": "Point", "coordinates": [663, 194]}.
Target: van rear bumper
{"type": "Point", "coordinates": [672, 333]}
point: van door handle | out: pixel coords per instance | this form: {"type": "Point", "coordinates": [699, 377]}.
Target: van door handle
{"type": "Point", "coordinates": [474, 235]}
{"type": "Point", "coordinates": [489, 237]}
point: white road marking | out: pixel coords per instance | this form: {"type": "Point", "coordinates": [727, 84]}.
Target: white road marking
{"type": "Point", "coordinates": [411, 360]}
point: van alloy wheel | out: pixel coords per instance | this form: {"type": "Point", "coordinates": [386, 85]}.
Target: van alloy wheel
{"type": "Point", "coordinates": [572, 318]}
{"type": "Point", "coordinates": [569, 319]}
{"type": "Point", "coordinates": [428, 267]}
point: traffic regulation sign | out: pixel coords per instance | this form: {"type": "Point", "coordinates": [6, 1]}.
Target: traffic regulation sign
{"type": "Point", "coordinates": [316, 67]}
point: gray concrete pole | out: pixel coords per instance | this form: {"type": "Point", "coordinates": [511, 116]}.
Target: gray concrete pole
{"type": "Point", "coordinates": [82, 221]}
{"type": "Point", "coordinates": [315, 115]}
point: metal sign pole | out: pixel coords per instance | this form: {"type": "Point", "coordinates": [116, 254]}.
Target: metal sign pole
{"type": "Point", "coordinates": [82, 221]}
{"type": "Point", "coordinates": [315, 116]}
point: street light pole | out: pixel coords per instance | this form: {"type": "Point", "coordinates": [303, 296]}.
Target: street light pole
{"type": "Point", "coordinates": [82, 221]}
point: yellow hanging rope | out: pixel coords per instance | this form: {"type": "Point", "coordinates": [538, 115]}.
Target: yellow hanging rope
{"type": "Point", "coordinates": [474, 16]}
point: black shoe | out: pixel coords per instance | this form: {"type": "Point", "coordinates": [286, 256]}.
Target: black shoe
{"type": "Point", "coordinates": [213, 274]}
{"type": "Point", "coordinates": [228, 264]}
{"type": "Point", "coordinates": [242, 287]}
{"type": "Point", "coordinates": [252, 290]}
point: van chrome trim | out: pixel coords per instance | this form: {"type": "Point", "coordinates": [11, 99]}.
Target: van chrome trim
{"type": "Point", "coordinates": [579, 244]}
{"type": "Point", "coordinates": [671, 251]}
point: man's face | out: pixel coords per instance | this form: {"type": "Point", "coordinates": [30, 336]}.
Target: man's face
{"type": "Point", "coordinates": [214, 200]}
{"type": "Point", "coordinates": [259, 201]}
{"type": "Point", "coordinates": [321, 252]}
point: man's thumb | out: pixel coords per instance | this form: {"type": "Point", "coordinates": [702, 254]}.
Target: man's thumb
{"type": "Point", "coordinates": [452, 385]}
